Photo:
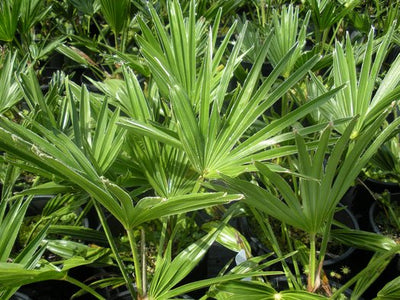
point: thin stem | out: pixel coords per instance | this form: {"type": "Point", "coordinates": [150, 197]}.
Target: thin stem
{"type": "Point", "coordinates": [136, 262]}
{"type": "Point", "coordinates": [88, 26]}
{"type": "Point", "coordinates": [144, 266]}
{"type": "Point", "coordinates": [268, 10]}
{"type": "Point", "coordinates": [312, 267]}
{"type": "Point", "coordinates": [116, 40]}
{"type": "Point", "coordinates": [84, 287]}
{"type": "Point", "coordinates": [263, 18]}
{"type": "Point", "coordinates": [124, 37]}
{"type": "Point", "coordinates": [19, 45]}
{"type": "Point", "coordinates": [84, 212]}
{"type": "Point", "coordinates": [11, 174]}
{"type": "Point", "coordinates": [325, 239]}
{"type": "Point", "coordinates": [100, 31]}
{"type": "Point", "coordinates": [324, 38]}
{"type": "Point", "coordinates": [197, 185]}
{"type": "Point", "coordinates": [367, 188]}
{"type": "Point", "coordinates": [334, 35]}
{"type": "Point", "coordinates": [114, 249]}
{"type": "Point", "coordinates": [291, 249]}
{"type": "Point", "coordinates": [270, 235]}
{"type": "Point", "coordinates": [36, 226]}
{"type": "Point", "coordinates": [162, 240]}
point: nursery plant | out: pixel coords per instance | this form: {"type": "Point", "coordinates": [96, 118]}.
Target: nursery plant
{"type": "Point", "coordinates": [310, 204]}
{"type": "Point", "coordinates": [379, 15]}
{"type": "Point", "coordinates": [59, 157]}
{"type": "Point", "coordinates": [384, 165]}
{"type": "Point", "coordinates": [10, 93]}
{"type": "Point", "coordinates": [384, 169]}
{"type": "Point", "coordinates": [327, 17]}
{"type": "Point", "coordinates": [71, 155]}
{"type": "Point", "coordinates": [368, 92]}
{"type": "Point", "coordinates": [19, 22]}
{"type": "Point", "coordinates": [19, 267]}
{"type": "Point", "coordinates": [208, 121]}
{"type": "Point", "coordinates": [384, 214]}
{"type": "Point", "coordinates": [287, 21]}
{"type": "Point", "coordinates": [100, 37]}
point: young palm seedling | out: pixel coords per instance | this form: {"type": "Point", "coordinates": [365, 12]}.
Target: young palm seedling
{"type": "Point", "coordinates": [310, 204]}
{"type": "Point", "coordinates": [204, 117]}
{"type": "Point", "coordinates": [367, 93]}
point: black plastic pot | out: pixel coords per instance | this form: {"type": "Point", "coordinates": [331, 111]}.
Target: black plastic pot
{"type": "Point", "coordinates": [347, 218]}
{"type": "Point", "coordinates": [266, 68]}
{"type": "Point", "coordinates": [380, 186]}
{"type": "Point", "coordinates": [217, 258]}
{"type": "Point", "coordinates": [55, 63]}
{"type": "Point", "coordinates": [280, 283]}
{"type": "Point", "coordinates": [125, 295]}
{"type": "Point", "coordinates": [59, 289]}
{"type": "Point", "coordinates": [365, 203]}
{"type": "Point", "coordinates": [115, 226]}
{"type": "Point", "coordinates": [37, 204]}
{"type": "Point", "coordinates": [332, 261]}
{"type": "Point", "coordinates": [374, 210]}
{"type": "Point", "coordinates": [200, 272]}
{"type": "Point", "coordinates": [363, 199]}
{"type": "Point", "coordinates": [20, 296]}
{"type": "Point", "coordinates": [393, 269]}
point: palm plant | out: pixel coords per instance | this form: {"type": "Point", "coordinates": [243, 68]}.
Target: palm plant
{"type": "Point", "coordinates": [207, 9]}
{"type": "Point", "coordinates": [377, 14]}
{"type": "Point", "coordinates": [166, 169]}
{"type": "Point", "coordinates": [9, 15]}
{"type": "Point", "coordinates": [206, 121]}
{"type": "Point", "coordinates": [287, 22]}
{"type": "Point", "coordinates": [19, 17]}
{"type": "Point", "coordinates": [145, 151]}
{"type": "Point", "coordinates": [327, 16]}
{"type": "Point", "coordinates": [310, 204]}
{"type": "Point", "coordinates": [384, 165]}
{"type": "Point", "coordinates": [116, 14]}
{"type": "Point", "coordinates": [10, 93]}
{"type": "Point", "coordinates": [287, 31]}
{"type": "Point", "coordinates": [31, 13]}
{"type": "Point", "coordinates": [28, 265]}
{"type": "Point", "coordinates": [361, 96]}
{"type": "Point", "coordinates": [102, 36]}
{"type": "Point", "coordinates": [83, 162]}
{"type": "Point", "coordinates": [88, 7]}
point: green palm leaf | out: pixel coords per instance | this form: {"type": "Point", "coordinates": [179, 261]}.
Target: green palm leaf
{"type": "Point", "coordinates": [390, 291]}
{"type": "Point", "coordinates": [360, 96]}
{"type": "Point", "coordinates": [211, 127]}
{"type": "Point", "coordinates": [9, 16]}
{"type": "Point", "coordinates": [10, 94]}
{"type": "Point", "coordinates": [116, 13]}
{"type": "Point", "coordinates": [286, 33]}
{"type": "Point", "coordinates": [259, 290]}
{"type": "Point", "coordinates": [88, 7]}
{"type": "Point", "coordinates": [311, 204]}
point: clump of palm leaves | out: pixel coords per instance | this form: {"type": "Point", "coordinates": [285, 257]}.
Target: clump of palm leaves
{"type": "Point", "coordinates": [310, 202]}
{"type": "Point", "coordinates": [368, 92]}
